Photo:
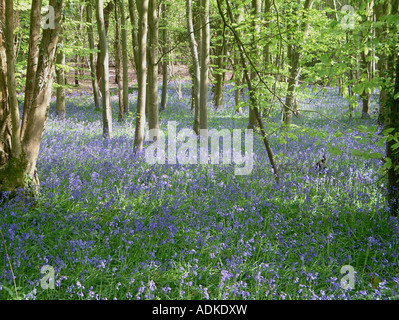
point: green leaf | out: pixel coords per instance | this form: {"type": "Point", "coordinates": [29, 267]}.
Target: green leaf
{"type": "Point", "coordinates": [395, 146]}
{"type": "Point", "coordinates": [388, 163]}
{"type": "Point", "coordinates": [388, 131]}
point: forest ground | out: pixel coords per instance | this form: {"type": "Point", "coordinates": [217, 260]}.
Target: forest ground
{"type": "Point", "coordinates": [112, 226]}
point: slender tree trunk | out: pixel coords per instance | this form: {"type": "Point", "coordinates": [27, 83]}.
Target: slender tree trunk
{"type": "Point", "coordinates": [220, 73]}
{"type": "Point", "coordinates": [118, 62]}
{"type": "Point", "coordinates": [92, 60]}
{"type": "Point", "coordinates": [390, 118]}
{"type": "Point", "coordinates": [125, 66]}
{"type": "Point", "coordinates": [384, 66]}
{"type": "Point", "coordinates": [196, 66]}
{"type": "Point", "coordinates": [104, 62]}
{"type": "Point", "coordinates": [295, 69]}
{"type": "Point", "coordinates": [142, 9]}
{"type": "Point", "coordinates": [34, 36]}
{"type": "Point", "coordinates": [106, 13]}
{"type": "Point", "coordinates": [5, 117]}
{"type": "Point", "coordinates": [11, 82]}
{"type": "Point", "coordinates": [135, 39]}
{"type": "Point", "coordinates": [204, 79]}
{"type": "Point", "coordinates": [60, 74]}
{"type": "Point", "coordinates": [266, 48]}
{"type": "Point", "coordinates": [152, 63]}
{"type": "Point", "coordinates": [393, 154]}
{"type": "Point", "coordinates": [366, 64]}
{"type": "Point", "coordinates": [237, 71]}
{"type": "Point", "coordinates": [165, 60]}
{"type": "Point", "coordinates": [256, 9]}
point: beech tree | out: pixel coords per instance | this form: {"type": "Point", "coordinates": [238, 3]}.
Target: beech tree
{"type": "Point", "coordinates": [165, 54]}
{"type": "Point", "coordinates": [92, 57]}
{"type": "Point", "coordinates": [60, 74]}
{"type": "Point", "coordinates": [125, 67]}
{"type": "Point", "coordinates": [152, 66]}
{"type": "Point", "coordinates": [204, 77]}
{"type": "Point", "coordinates": [196, 66]}
{"type": "Point", "coordinates": [19, 167]}
{"type": "Point", "coordinates": [142, 9]}
{"type": "Point", "coordinates": [104, 62]}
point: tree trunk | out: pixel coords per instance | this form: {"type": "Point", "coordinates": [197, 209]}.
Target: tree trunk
{"type": "Point", "coordinates": [5, 117]}
{"type": "Point", "coordinates": [366, 64]}
{"type": "Point", "coordinates": [393, 172]}
{"type": "Point", "coordinates": [104, 63]}
{"type": "Point", "coordinates": [135, 40]}
{"type": "Point", "coordinates": [34, 36]}
{"type": "Point", "coordinates": [125, 66]}
{"type": "Point", "coordinates": [11, 82]}
{"type": "Point", "coordinates": [295, 70]}
{"type": "Point", "coordinates": [384, 66]}
{"type": "Point", "coordinates": [196, 66]}
{"type": "Point", "coordinates": [107, 11]}
{"type": "Point", "coordinates": [152, 63]}
{"type": "Point", "coordinates": [20, 169]}
{"type": "Point", "coordinates": [205, 49]}
{"type": "Point", "coordinates": [165, 60]}
{"type": "Point", "coordinates": [220, 73]}
{"type": "Point", "coordinates": [60, 74]}
{"type": "Point", "coordinates": [142, 9]}
{"type": "Point", "coordinates": [256, 9]}
{"type": "Point", "coordinates": [118, 62]}
{"type": "Point", "coordinates": [92, 60]}
{"type": "Point", "coordinates": [238, 76]}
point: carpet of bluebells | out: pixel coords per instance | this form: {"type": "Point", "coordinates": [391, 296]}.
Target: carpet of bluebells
{"type": "Point", "coordinates": [114, 227]}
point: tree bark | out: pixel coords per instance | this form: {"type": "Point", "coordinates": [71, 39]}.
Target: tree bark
{"type": "Point", "coordinates": [20, 169]}
{"type": "Point", "coordinates": [11, 82]}
{"type": "Point", "coordinates": [365, 63]}
{"type": "Point", "coordinates": [34, 36]}
{"type": "Point", "coordinates": [107, 11]}
{"type": "Point", "coordinates": [256, 9]}
{"type": "Point", "coordinates": [104, 63]}
{"type": "Point", "coordinates": [92, 60]}
{"type": "Point", "coordinates": [135, 39]}
{"type": "Point", "coordinates": [142, 9]}
{"type": "Point", "coordinates": [152, 63]}
{"type": "Point", "coordinates": [204, 78]}
{"type": "Point", "coordinates": [60, 74]}
{"type": "Point", "coordinates": [165, 60]}
{"type": "Point", "coordinates": [196, 66]}
{"type": "Point", "coordinates": [221, 51]}
{"type": "Point", "coordinates": [125, 66]}
{"type": "Point", "coordinates": [393, 173]}
{"type": "Point", "coordinates": [118, 62]}
{"type": "Point", "coordinates": [5, 117]}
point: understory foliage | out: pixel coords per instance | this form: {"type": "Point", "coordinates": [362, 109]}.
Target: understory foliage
{"type": "Point", "coordinates": [113, 226]}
